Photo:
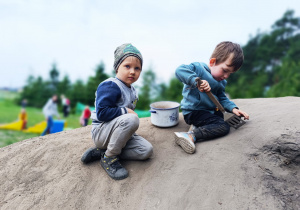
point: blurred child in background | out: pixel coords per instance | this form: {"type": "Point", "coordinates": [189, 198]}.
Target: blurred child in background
{"type": "Point", "coordinates": [84, 119]}
{"type": "Point", "coordinates": [49, 110]}
{"type": "Point", "coordinates": [23, 117]}
{"type": "Point", "coordinates": [66, 105]}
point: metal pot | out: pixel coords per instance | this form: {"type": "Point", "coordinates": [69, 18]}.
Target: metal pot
{"type": "Point", "coordinates": [164, 113]}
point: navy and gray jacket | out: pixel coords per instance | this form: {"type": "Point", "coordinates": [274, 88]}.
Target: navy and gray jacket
{"type": "Point", "coordinates": [193, 99]}
{"type": "Point", "coordinates": [112, 98]}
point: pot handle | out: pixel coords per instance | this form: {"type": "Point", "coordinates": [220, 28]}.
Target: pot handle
{"type": "Point", "coordinates": [152, 111]}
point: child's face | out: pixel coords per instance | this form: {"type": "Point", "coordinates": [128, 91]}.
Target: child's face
{"type": "Point", "coordinates": [222, 70]}
{"type": "Point", "coordinates": [54, 98]}
{"type": "Point", "coordinates": [129, 71]}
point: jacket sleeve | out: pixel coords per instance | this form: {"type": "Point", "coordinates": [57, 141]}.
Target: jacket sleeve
{"type": "Point", "coordinates": [108, 94]}
{"type": "Point", "coordinates": [46, 108]}
{"type": "Point", "coordinates": [186, 74]}
{"type": "Point", "coordinates": [55, 111]}
{"type": "Point", "coordinates": [224, 100]}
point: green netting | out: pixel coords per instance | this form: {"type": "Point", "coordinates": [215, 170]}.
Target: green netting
{"type": "Point", "coordinates": [80, 107]}
{"type": "Point", "coordinates": [141, 113]}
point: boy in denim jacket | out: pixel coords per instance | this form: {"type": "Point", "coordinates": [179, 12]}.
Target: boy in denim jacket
{"type": "Point", "coordinates": [114, 120]}
{"type": "Point", "coordinates": [198, 110]}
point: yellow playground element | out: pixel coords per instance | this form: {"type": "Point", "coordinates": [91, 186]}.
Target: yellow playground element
{"type": "Point", "coordinates": [38, 128]}
{"type": "Point", "coordinates": [17, 126]}
{"type": "Point", "coordinates": [58, 125]}
{"type": "Point", "coordinates": [21, 124]}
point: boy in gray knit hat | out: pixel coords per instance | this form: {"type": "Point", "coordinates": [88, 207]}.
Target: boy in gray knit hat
{"type": "Point", "coordinates": [114, 120]}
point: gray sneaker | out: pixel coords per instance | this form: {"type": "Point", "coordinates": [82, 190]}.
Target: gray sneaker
{"type": "Point", "coordinates": [185, 140]}
{"type": "Point", "coordinates": [113, 167]}
{"type": "Point", "coordinates": [92, 154]}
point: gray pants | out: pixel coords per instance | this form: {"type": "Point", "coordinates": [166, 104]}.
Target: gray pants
{"type": "Point", "coordinates": [119, 138]}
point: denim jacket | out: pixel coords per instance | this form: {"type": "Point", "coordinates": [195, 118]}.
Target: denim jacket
{"type": "Point", "coordinates": [193, 99]}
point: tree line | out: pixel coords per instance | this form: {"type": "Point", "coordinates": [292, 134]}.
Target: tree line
{"type": "Point", "coordinates": [37, 91]}
{"type": "Point", "coordinates": [272, 62]}
{"type": "Point", "coordinates": [271, 69]}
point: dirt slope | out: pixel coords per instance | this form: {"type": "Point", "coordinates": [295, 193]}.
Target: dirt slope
{"type": "Point", "coordinates": [254, 167]}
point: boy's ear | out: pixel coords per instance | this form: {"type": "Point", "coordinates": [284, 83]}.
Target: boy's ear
{"type": "Point", "coordinates": [212, 61]}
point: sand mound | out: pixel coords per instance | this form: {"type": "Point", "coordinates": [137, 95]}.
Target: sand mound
{"type": "Point", "coordinates": [254, 167]}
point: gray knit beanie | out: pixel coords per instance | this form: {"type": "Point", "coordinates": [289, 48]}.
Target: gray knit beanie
{"type": "Point", "coordinates": [124, 51]}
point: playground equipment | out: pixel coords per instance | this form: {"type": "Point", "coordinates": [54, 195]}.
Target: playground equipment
{"type": "Point", "coordinates": [58, 125]}
{"type": "Point", "coordinates": [13, 126]}
{"type": "Point", "coordinates": [18, 125]}
{"type": "Point", "coordinates": [38, 128]}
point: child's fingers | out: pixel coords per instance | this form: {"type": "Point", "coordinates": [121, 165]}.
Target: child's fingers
{"type": "Point", "coordinates": [207, 89]}
{"type": "Point", "coordinates": [204, 88]}
{"type": "Point", "coordinates": [200, 89]}
{"type": "Point", "coordinates": [245, 115]}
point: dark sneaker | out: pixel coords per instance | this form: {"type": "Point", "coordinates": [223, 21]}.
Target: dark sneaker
{"type": "Point", "coordinates": [92, 154]}
{"type": "Point", "coordinates": [113, 167]}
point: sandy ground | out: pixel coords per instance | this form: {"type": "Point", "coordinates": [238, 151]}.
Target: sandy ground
{"type": "Point", "coordinates": [254, 167]}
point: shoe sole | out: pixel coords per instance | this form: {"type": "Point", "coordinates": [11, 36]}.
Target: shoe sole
{"type": "Point", "coordinates": [186, 145]}
{"type": "Point", "coordinates": [112, 175]}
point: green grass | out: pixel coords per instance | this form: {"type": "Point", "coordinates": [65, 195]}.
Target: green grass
{"type": "Point", "coordinates": [9, 113]}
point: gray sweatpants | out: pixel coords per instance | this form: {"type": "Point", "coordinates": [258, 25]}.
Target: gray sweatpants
{"type": "Point", "coordinates": [119, 138]}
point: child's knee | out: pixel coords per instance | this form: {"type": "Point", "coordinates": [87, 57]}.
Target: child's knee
{"type": "Point", "coordinates": [225, 127]}
{"type": "Point", "coordinates": [147, 152]}
{"type": "Point", "coordinates": [131, 121]}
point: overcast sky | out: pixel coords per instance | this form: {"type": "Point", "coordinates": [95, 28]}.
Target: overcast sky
{"type": "Point", "coordinates": [78, 34]}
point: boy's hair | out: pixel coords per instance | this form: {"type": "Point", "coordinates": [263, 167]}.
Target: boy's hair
{"type": "Point", "coordinates": [224, 50]}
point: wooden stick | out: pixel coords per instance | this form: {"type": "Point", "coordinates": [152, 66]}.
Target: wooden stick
{"type": "Point", "coordinates": [211, 96]}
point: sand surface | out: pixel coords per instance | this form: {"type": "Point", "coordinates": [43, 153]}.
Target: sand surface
{"type": "Point", "coordinates": [254, 167]}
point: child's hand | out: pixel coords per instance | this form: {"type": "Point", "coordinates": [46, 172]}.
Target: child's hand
{"type": "Point", "coordinates": [204, 87]}
{"type": "Point", "coordinates": [240, 113]}
{"type": "Point", "coordinates": [131, 111]}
